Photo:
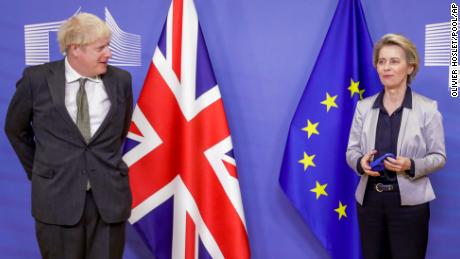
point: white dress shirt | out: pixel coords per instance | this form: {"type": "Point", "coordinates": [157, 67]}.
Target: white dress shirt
{"type": "Point", "coordinates": [98, 100]}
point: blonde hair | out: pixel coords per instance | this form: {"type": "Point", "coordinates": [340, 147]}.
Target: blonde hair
{"type": "Point", "coordinates": [82, 29]}
{"type": "Point", "coordinates": [409, 48]}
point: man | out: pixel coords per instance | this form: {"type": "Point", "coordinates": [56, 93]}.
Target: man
{"type": "Point", "coordinates": [67, 122]}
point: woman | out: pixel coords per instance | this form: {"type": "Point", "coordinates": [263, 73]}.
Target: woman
{"type": "Point", "coordinates": [393, 204]}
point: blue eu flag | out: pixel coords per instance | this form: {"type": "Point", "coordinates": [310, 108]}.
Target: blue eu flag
{"type": "Point", "coordinates": [314, 174]}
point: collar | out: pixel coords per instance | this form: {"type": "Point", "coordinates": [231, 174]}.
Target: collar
{"type": "Point", "coordinates": [71, 75]}
{"type": "Point", "coordinates": [407, 102]}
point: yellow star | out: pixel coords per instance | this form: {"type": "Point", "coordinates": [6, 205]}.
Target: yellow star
{"type": "Point", "coordinates": [311, 128]}
{"type": "Point", "coordinates": [354, 89]}
{"type": "Point", "coordinates": [330, 101]}
{"type": "Point", "coordinates": [361, 93]}
{"type": "Point", "coordinates": [307, 161]}
{"type": "Point", "coordinates": [341, 210]}
{"type": "Point", "coordinates": [319, 189]}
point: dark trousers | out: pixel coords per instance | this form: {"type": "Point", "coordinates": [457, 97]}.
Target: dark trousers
{"type": "Point", "coordinates": [90, 238]}
{"type": "Point", "coordinates": [389, 230]}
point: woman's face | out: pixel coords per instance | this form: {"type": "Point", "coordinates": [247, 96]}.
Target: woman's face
{"type": "Point", "coordinates": [392, 67]}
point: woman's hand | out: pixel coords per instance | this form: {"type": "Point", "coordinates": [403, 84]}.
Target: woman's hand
{"type": "Point", "coordinates": [398, 165]}
{"type": "Point", "coordinates": [365, 164]}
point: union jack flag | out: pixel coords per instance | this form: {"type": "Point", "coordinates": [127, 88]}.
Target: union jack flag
{"type": "Point", "coordinates": [186, 194]}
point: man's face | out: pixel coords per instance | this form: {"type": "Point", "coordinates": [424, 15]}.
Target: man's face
{"type": "Point", "coordinates": [91, 60]}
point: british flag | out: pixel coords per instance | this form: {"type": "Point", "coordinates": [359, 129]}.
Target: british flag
{"type": "Point", "coordinates": [186, 194]}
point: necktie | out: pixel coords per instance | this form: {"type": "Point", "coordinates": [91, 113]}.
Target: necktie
{"type": "Point", "coordinates": [83, 111]}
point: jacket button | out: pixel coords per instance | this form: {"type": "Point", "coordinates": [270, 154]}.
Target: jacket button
{"type": "Point", "coordinates": [83, 172]}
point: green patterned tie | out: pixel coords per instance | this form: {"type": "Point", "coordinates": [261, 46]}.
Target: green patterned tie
{"type": "Point", "coordinates": [83, 111]}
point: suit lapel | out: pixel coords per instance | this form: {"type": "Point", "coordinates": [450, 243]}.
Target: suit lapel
{"type": "Point", "coordinates": [374, 116]}
{"type": "Point", "coordinates": [56, 85]}
{"type": "Point", "coordinates": [403, 129]}
{"type": "Point", "coordinates": [110, 86]}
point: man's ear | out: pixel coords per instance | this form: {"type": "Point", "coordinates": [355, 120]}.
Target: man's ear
{"type": "Point", "coordinates": [73, 50]}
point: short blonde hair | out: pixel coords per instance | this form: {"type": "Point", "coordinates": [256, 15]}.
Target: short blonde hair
{"type": "Point", "coordinates": [409, 48]}
{"type": "Point", "coordinates": [82, 29]}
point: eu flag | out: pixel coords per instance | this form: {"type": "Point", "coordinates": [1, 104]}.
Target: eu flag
{"type": "Point", "coordinates": [314, 173]}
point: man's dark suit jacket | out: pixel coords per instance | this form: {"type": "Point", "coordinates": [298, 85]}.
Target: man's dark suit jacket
{"type": "Point", "coordinates": [55, 155]}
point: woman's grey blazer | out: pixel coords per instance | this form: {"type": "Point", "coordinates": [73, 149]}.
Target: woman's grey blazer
{"type": "Point", "coordinates": [421, 138]}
